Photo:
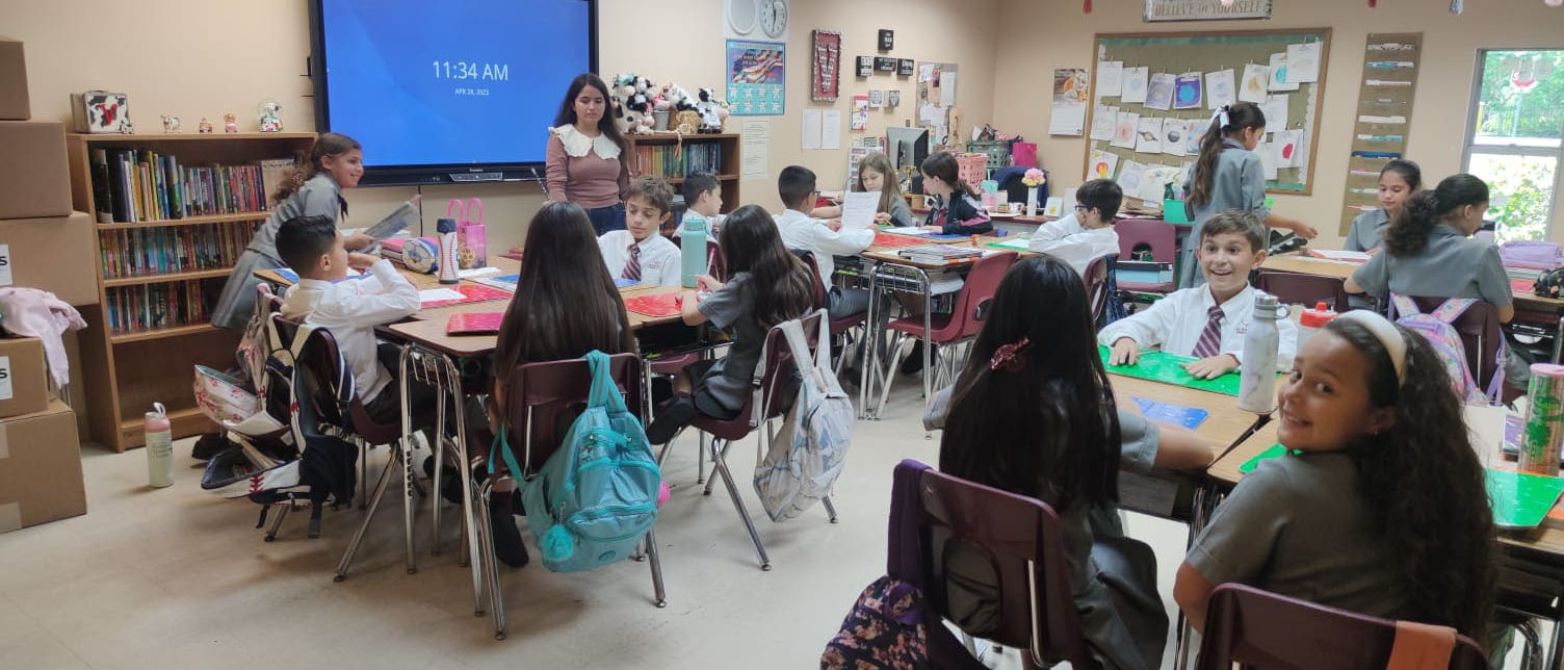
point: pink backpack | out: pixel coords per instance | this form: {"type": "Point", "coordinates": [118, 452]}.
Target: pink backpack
{"type": "Point", "coordinates": [1437, 327]}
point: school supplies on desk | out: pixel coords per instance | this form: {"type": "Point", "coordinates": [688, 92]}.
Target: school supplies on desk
{"type": "Point", "coordinates": [1339, 255]}
{"type": "Point", "coordinates": [1017, 244]}
{"type": "Point", "coordinates": [459, 294]}
{"type": "Point", "coordinates": [895, 241]}
{"type": "Point", "coordinates": [474, 323]}
{"type": "Point", "coordinates": [939, 253]}
{"type": "Point", "coordinates": [655, 306]}
{"type": "Point", "coordinates": [1520, 500]}
{"type": "Point", "coordinates": [621, 282]}
{"type": "Point", "coordinates": [1178, 415]}
{"type": "Point", "coordinates": [293, 277]}
{"type": "Point", "coordinates": [502, 282]}
{"type": "Point", "coordinates": [1166, 368]}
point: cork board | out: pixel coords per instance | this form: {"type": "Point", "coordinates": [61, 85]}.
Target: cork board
{"type": "Point", "coordinates": [1180, 53]}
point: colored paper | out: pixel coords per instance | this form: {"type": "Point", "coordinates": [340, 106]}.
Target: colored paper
{"type": "Point", "coordinates": [1178, 415]}
{"type": "Point", "coordinates": [502, 282]}
{"type": "Point", "coordinates": [474, 323]}
{"type": "Point", "coordinates": [621, 282]}
{"type": "Point", "coordinates": [1187, 91]}
{"type": "Point", "coordinates": [1166, 368]}
{"type": "Point", "coordinates": [1159, 91]}
{"type": "Point", "coordinates": [1275, 451]}
{"type": "Point", "coordinates": [461, 294]}
{"type": "Point", "coordinates": [883, 239]}
{"type": "Point", "coordinates": [655, 306]}
{"type": "Point", "coordinates": [1279, 71]}
{"type": "Point", "coordinates": [1520, 500]}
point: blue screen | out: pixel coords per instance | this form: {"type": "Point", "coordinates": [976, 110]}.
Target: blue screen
{"type": "Point", "coordinates": [457, 82]}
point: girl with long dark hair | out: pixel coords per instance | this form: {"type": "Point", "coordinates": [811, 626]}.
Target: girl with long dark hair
{"type": "Point", "coordinates": [588, 158]}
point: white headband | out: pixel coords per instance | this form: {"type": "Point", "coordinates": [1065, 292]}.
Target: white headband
{"type": "Point", "coordinates": [1384, 331]}
{"type": "Point", "coordinates": [1221, 114]}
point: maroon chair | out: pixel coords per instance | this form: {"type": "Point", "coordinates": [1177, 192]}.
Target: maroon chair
{"type": "Point", "coordinates": [1481, 334]}
{"type": "Point", "coordinates": [1096, 278]}
{"type": "Point", "coordinates": [1025, 542]}
{"type": "Point", "coordinates": [961, 324]}
{"type": "Point", "coordinates": [1293, 288]}
{"type": "Point", "coordinates": [1253, 628]}
{"type": "Point", "coordinates": [823, 300]}
{"type": "Point", "coordinates": [1159, 237]}
{"type": "Point", "coordinates": [772, 381]}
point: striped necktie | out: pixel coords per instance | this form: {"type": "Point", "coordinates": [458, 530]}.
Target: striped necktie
{"type": "Point", "coordinates": [1211, 338]}
{"type": "Point", "coordinates": [633, 266]}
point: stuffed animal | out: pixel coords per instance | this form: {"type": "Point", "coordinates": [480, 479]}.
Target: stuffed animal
{"type": "Point", "coordinates": [713, 111]}
{"type": "Point", "coordinates": [271, 117]}
{"type": "Point", "coordinates": [673, 98]}
{"type": "Point", "coordinates": [632, 103]}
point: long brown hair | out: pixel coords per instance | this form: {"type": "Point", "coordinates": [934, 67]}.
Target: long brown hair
{"type": "Point", "coordinates": [606, 125]}
{"type": "Point", "coordinates": [943, 166]}
{"type": "Point", "coordinates": [1240, 117]}
{"type": "Point", "coordinates": [1408, 233]}
{"type": "Point", "coordinates": [784, 288]}
{"type": "Point", "coordinates": [880, 163]}
{"type": "Point", "coordinates": [565, 303]}
{"type": "Point", "coordinates": [327, 145]}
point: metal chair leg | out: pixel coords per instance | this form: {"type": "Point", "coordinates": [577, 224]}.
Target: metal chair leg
{"type": "Point", "coordinates": [712, 481]}
{"type": "Point", "coordinates": [830, 509]}
{"type": "Point", "coordinates": [358, 537]}
{"type": "Point", "coordinates": [409, 483]}
{"type": "Point", "coordinates": [660, 595]}
{"type": "Point", "coordinates": [721, 466]}
{"type": "Point", "coordinates": [896, 357]}
{"type": "Point", "coordinates": [363, 473]}
{"type": "Point", "coordinates": [271, 531]}
{"type": "Point", "coordinates": [700, 459]}
{"type": "Point", "coordinates": [490, 566]}
{"type": "Point", "coordinates": [1531, 651]}
{"type": "Point", "coordinates": [437, 451]}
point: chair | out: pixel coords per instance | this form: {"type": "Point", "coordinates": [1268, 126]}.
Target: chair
{"type": "Point", "coordinates": [1254, 628]}
{"type": "Point", "coordinates": [964, 321]}
{"type": "Point", "coordinates": [1026, 543]}
{"type": "Point", "coordinates": [1158, 237]}
{"type": "Point", "coordinates": [1096, 277]}
{"type": "Point", "coordinates": [823, 300]}
{"type": "Point", "coordinates": [769, 401]}
{"type": "Point", "coordinates": [1481, 336]}
{"type": "Point", "coordinates": [1293, 288]}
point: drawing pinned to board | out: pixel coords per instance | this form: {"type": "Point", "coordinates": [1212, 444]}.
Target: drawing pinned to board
{"type": "Point", "coordinates": [1303, 63]}
{"type": "Point", "coordinates": [1288, 148]}
{"type": "Point", "coordinates": [1279, 69]}
{"type": "Point", "coordinates": [1255, 83]}
{"type": "Point", "coordinates": [1148, 135]}
{"type": "Point", "coordinates": [1275, 110]}
{"type": "Point", "coordinates": [1197, 129]}
{"type": "Point", "coordinates": [1110, 78]}
{"type": "Point", "coordinates": [860, 118]}
{"type": "Point", "coordinates": [1130, 175]}
{"type": "Point", "coordinates": [1124, 132]}
{"type": "Point", "coordinates": [1268, 159]}
{"type": "Point", "coordinates": [1173, 132]}
{"type": "Point", "coordinates": [1159, 91]}
{"type": "Point", "coordinates": [1186, 91]}
{"type": "Point", "coordinates": [1103, 163]}
{"type": "Point", "coordinates": [1220, 89]}
{"type": "Point", "coordinates": [1133, 88]}
{"type": "Point", "coordinates": [1103, 122]}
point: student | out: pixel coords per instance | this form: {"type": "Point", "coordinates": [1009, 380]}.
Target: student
{"type": "Point", "coordinates": [1398, 180]}
{"type": "Point", "coordinates": [1208, 322]}
{"type": "Point", "coordinates": [350, 309]}
{"type": "Point", "coordinates": [641, 253]}
{"type": "Point", "coordinates": [875, 175]}
{"type": "Point", "coordinates": [766, 286]}
{"type": "Point", "coordinates": [336, 162]}
{"type": "Point", "coordinates": [562, 309]}
{"type": "Point", "coordinates": [1087, 234]}
{"type": "Point", "coordinates": [1380, 508]}
{"type": "Point", "coordinates": [703, 202]}
{"type": "Point", "coordinates": [957, 211]}
{"type": "Point", "coordinates": [1228, 175]}
{"type": "Point", "coordinates": [588, 159]}
{"type": "Point", "coordinates": [799, 232]}
{"type": "Point", "coordinates": [1032, 413]}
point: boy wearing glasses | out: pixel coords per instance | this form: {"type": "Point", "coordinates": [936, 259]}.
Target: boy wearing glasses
{"type": "Point", "coordinates": [801, 232]}
{"type": "Point", "coordinates": [1088, 233]}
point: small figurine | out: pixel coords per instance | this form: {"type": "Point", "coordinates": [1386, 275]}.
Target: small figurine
{"type": "Point", "coordinates": [170, 123]}
{"type": "Point", "coordinates": [230, 123]}
{"type": "Point", "coordinates": [127, 128]}
{"type": "Point", "coordinates": [271, 117]}
{"type": "Point", "coordinates": [205, 126]}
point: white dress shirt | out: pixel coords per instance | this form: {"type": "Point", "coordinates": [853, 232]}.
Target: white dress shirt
{"type": "Point", "coordinates": [802, 233]}
{"type": "Point", "coordinates": [1175, 323]}
{"type": "Point", "coordinates": [661, 263]}
{"type": "Point", "coordinates": [1068, 241]}
{"type": "Point", "coordinates": [351, 309]}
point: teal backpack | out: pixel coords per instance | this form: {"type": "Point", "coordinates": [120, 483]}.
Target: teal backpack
{"type": "Point", "coordinates": [596, 496]}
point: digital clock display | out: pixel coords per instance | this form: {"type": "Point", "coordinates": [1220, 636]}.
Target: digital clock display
{"type": "Point", "coordinates": [470, 70]}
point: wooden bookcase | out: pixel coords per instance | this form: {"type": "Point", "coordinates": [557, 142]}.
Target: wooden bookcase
{"type": "Point", "coordinates": [727, 173]}
{"type": "Point", "coordinates": [126, 372]}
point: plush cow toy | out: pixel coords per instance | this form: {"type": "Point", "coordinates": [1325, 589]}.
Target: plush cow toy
{"type": "Point", "coordinates": [713, 111]}
{"type": "Point", "coordinates": [632, 103]}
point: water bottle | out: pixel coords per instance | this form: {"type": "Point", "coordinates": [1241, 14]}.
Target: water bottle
{"type": "Point", "coordinates": [1312, 321]}
{"type": "Point", "coordinates": [1257, 375]}
{"type": "Point", "coordinates": [448, 266]}
{"type": "Point", "coordinates": [692, 250]}
{"type": "Point", "coordinates": [160, 447]}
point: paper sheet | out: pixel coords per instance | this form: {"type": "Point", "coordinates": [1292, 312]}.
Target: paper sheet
{"type": "Point", "coordinates": [811, 129]}
{"type": "Point", "coordinates": [1268, 159]}
{"type": "Point", "coordinates": [1068, 115]}
{"type": "Point", "coordinates": [1303, 63]}
{"type": "Point", "coordinates": [756, 140]}
{"type": "Point", "coordinates": [1173, 131]}
{"type": "Point", "coordinates": [1124, 132]}
{"type": "Point", "coordinates": [1148, 135]}
{"type": "Point", "coordinates": [1133, 88]}
{"type": "Point", "coordinates": [1103, 164]}
{"type": "Point", "coordinates": [1275, 110]}
{"type": "Point", "coordinates": [1103, 121]}
{"type": "Point", "coordinates": [947, 88]}
{"type": "Point", "coordinates": [439, 295]}
{"type": "Point", "coordinates": [1288, 148]}
{"type": "Point", "coordinates": [858, 208]}
{"type": "Point", "coordinates": [1159, 91]}
{"type": "Point", "coordinates": [1254, 85]}
{"type": "Point", "coordinates": [1187, 91]}
{"type": "Point", "coordinates": [1279, 69]}
{"type": "Point", "coordinates": [1197, 129]}
{"type": "Point", "coordinates": [1130, 176]}
{"type": "Point", "coordinates": [1220, 89]}
{"type": "Point", "coordinates": [831, 129]}
{"type": "Point", "coordinates": [1110, 77]}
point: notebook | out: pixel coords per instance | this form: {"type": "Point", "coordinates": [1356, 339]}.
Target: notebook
{"type": "Point", "coordinates": [502, 282]}
{"type": "Point", "coordinates": [474, 323]}
{"type": "Point", "coordinates": [1166, 368]}
{"type": "Point", "coordinates": [889, 240]}
{"type": "Point", "coordinates": [1018, 244]}
{"type": "Point", "coordinates": [655, 306]}
{"type": "Point", "coordinates": [1178, 415]}
{"type": "Point", "coordinates": [459, 294]}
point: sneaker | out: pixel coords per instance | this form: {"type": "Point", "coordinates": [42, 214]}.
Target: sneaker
{"type": "Point", "coordinates": [670, 419]}
{"type": "Point", "coordinates": [209, 445]}
{"type": "Point", "coordinates": [508, 545]}
{"type": "Point", "coordinates": [914, 362]}
{"type": "Point", "coordinates": [451, 488]}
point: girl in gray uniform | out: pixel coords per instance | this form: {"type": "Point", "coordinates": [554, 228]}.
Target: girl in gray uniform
{"type": "Point", "coordinates": [1228, 175]}
{"type": "Point", "coordinates": [1398, 180]}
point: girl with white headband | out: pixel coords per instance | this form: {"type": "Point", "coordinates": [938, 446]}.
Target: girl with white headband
{"type": "Point", "coordinates": [1378, 507]}
{"type": "Point", "coordinates": [1228, 175]}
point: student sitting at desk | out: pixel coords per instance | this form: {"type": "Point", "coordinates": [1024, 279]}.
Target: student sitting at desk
{"type": "Point", "coordinates": [1087, 234]}
{"type": "Point", "coordinates": [875, 175]}
{"type": "Point", "coordinates": [640, 253]}
{"type": "Point", "coordinates": [1210, 321]}
{"type": "Point", "coordinates": [1398, 180]}
{"type": "Point", "coordinates": [800, 232]}
{"type": "Point", "coordinates": [1032, 413]}
{"type": "Point", "coordinates": [703, 202]}
{"type": "Point", "coordinates": [957, 210]}
{"type": "Point", "coordinates": [1379, 509]}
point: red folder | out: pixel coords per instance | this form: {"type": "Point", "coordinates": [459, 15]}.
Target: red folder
{"type": "Point", "coordinates": [474, 323]}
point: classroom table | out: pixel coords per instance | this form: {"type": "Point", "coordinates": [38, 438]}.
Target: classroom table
{"type": "Point", "coordinates": [1321, 267]}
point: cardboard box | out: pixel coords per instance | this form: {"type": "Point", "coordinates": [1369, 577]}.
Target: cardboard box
{"type": "Point", "coordinates": [34, 178]}
{"type": "Point", "coordinates": [40, 468]}
{"type": "Point", "coordinates": [24, 380]}
{"type": "Point", "coordinates": [14, 105]}
{"type": "Point", "coordinates": [55, 254]}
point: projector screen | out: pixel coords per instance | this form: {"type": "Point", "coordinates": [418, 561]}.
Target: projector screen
{"type": "Point", "coordinates": [458, 83]}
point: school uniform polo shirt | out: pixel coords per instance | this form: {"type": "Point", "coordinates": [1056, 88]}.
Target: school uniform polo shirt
{"type": "Point", "coordinates": [1367, 230]}
{"type": "Point", "coordinates": [1451, 265]}
{"type": "Point", "coordinates": [660, 261]}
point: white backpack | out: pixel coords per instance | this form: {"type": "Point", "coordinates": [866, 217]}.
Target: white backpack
{"type": "Point", "coordinates": [807, 453]}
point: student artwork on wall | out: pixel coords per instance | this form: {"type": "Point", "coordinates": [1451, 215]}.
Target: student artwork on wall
{"type": "Point", "coordinates": [1148, 135]}
{"type": "Point", "coordinates": [860, 118]}
{"type": "Point", "coordinates": [1110, 78]}
{"type": "Point", "coordinates": [1278, 79]}
{"type": "Point", "coordinates": [757, 81]}
{"type": "Point", "coordinates": [1220, 89]}
{"type": "Point", "coordinates": [826, 66]}
{"type": "Point", "coordinates": [1130, 175]}
{"type": "Point", "coordinates": [1159, 91]}
{"type": "Point", "coordinates": [1173, 136]}
{"type": "Point", "coordinates": [1187, 91]}
{"type": "Point", "coordinates": [1255, 83]}
{"type": "Point", "coordinates": [1124, 132]}
{"type": "Point", "coordinates": [1133, 87]}
{"type": "Point", "coordinates": [893, 99]}
{"type": "Point", "coordinates": [1303, 63]}
{"type": "Point", "coordinates": [1103, 122]}
{"type": "Point", "coordinates": [1102, 165]}
{"type": "Point", "coordinates": [1288, 148]}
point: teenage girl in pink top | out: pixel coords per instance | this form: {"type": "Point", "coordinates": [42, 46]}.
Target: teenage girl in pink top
{"type": "Point", "coordinates": [588, 158]}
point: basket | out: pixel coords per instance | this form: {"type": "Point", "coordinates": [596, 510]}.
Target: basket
{"type": "Point", "coordinates": [972, 168]}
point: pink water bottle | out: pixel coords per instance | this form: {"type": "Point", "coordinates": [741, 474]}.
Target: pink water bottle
{"type": "Point", "coordinates": [160, 447]}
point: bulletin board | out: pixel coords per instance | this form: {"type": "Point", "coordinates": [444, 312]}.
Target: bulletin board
{"type": "Point", "coordinates": [1207, 53]}
{"type": "Point", "coordinates": [936, 100]}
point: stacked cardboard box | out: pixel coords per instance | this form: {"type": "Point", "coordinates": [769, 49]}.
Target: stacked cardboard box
{"type": "Point", "coordinates": [40, 468]}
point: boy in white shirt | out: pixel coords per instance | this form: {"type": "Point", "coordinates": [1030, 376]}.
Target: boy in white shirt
{"type": "Point", "coordinates": [350, 308]}
{"type": "Point", "coordinates": [641, 253]}
{"type": "Point", "coordinates": [703, 202]}
{"type": "Point", "coordinates": [800, 232]}
{"type": "Point", "coordinates": [1208, 322]}
{"type": "Point", "coordinates": [1087, 234]}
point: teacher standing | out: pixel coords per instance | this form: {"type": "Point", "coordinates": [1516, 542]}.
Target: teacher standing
{"type": "Point", "coordinates": [588, 158]}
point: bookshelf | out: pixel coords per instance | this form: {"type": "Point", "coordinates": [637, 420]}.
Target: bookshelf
{"type": "Point", "coordinates": [655, 156]}
{"type": "Point", "coordinates": [197, 199]}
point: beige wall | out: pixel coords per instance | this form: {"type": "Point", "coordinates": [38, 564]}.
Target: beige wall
{"type": "Point", "coordinates": [199, 58]}
{"type": "Point", "coordinates": [1037, 37]}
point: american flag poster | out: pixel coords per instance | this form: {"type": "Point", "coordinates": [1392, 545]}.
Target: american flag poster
{"type": "Point", "coordinates": [757, 80]}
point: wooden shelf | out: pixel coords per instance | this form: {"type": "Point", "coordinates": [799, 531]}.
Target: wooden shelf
{"type": "Point", "coordinates": [161, 333]}
{"type": "Point", "coordinates": [145, 138]}
{"type": "Point", "coordinates": [188, 221]}
{"type": "Point", "coordinates": [167, 278]}
{"type": "Point", "coordinates": [183, 421]}
{"type": "Point", "coordinates": [721, 177]}
{"type": "Point", "coordinates": [674, 138]}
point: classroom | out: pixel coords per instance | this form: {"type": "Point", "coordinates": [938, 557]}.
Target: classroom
{"type": "Point", "coordinates": [1118, 334]}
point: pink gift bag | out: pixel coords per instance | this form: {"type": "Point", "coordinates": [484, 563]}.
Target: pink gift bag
{"type": "Point", "coordinates": [1023, 154]}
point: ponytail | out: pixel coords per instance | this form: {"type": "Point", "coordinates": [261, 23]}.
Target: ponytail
{"type": "Point", "coordinates": [943, 166]}
{"type": "Point", "coordinates": [1408, 233]}
{"type": "Point", "coordinates": [1229, 120]}
{"type": "Point", "coordinates": [328, 144]}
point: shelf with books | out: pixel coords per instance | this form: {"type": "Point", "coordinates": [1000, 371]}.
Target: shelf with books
{"type": "Point", "coordinates": [158, 251]}
{"type": "Point", "coordinates": [257, 216]}
{"type": "Point", "coordinates": [672, 156]}
{"type": "Point", "coordinates": [164, 333]}
{"type": "Point", "coordinates": [167, 278]}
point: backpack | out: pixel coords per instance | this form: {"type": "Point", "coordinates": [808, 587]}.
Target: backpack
{"type": "Point", "coordinates": [808, 451]}
{"type": "Point", "coordinates": [596, 496]}
{"type": "Point", "coordinates": [1437, 328]}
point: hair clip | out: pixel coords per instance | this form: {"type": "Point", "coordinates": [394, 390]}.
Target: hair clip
{"type": "Point", "coordinates": [1011, 357]}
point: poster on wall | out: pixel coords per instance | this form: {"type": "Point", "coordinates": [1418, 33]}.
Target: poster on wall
{"type": "Point", "coordinates": [1069, 106]}
{"type": "Point", "coordinates": [860, 117]}
{"type": "Point", "coordinates": [826, 67]}
{"type": "Point", "coordinates": [1205, 10]}
{"type": "Point", "coordinates": [757, 82]}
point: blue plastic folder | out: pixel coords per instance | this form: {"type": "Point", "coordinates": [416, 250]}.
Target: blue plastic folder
{"type": "Point", "coordinates": [1166, 368]}
{"type": "Point", "coordinates": [1178, 415]}
{"type": "Point", "coordinates": [619, 282]}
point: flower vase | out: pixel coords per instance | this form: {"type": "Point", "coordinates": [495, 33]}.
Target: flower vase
{"type": "Point", "coordinates": [1031, 201]}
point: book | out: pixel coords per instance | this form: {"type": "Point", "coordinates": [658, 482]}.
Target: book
{"type": "Point", "coordinates": [102, 200]}
{"type": "Point", "coordinates": [939, 253]}
{"type": "Point", "coordinates": [474, 323]}
{"type": "Point", "coordinates": [398, 220]}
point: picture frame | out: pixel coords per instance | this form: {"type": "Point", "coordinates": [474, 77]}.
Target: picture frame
{"type": "Point", "coordinates": [904, 67]}
{"type": "Point", "coordinates": [884, 64]}
{"type": "Point", "coordinates": [825, 79]}
{"type": "Point", "coordinates": [887, 39]}
{"type": "Point", "coordinates": [865, 66]}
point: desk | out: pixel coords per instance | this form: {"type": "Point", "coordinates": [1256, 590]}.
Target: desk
{"type": "Point", "coordinates": [427, 328]}
{"type": "Point", "coordinates": [1320, 267]}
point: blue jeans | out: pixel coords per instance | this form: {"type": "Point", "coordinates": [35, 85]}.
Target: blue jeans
{"type": "Point", "coordinates": [607, 218]}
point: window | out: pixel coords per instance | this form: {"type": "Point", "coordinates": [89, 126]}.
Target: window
{"type": "Point", "coordinates": [1515, 139]}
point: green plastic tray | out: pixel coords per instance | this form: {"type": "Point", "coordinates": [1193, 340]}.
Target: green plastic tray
{"type": "Point", "coordinates": [1166, 368]}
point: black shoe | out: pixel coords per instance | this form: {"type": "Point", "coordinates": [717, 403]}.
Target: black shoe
{"type": "Point", "coordinates": [672, 417]}
{"type": "Point", "coordinates": [914, 363]}
{"type": "Point", "coordinates": [209, 445]}
{"type": "Point", "coordinates": [508, 545]}
{"type": "Point", "coordinates": [451, 487]}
